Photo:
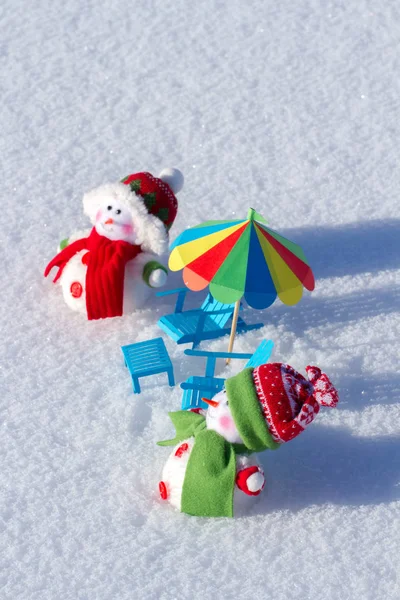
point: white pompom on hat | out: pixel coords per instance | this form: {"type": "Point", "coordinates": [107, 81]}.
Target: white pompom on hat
{"type": "Point", "coordinates": [173, 177]}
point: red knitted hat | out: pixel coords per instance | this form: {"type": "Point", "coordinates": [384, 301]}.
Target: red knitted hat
{"type": "Point", "coordinates": [158, 193]}
{"type": "Point", "coordinates": [288, 401]}
{"type": "Point", "coordinates": [273, 403]}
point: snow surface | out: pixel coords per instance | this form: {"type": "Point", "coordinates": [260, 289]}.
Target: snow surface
{"type": "Point", "coordinates": [292, 108]}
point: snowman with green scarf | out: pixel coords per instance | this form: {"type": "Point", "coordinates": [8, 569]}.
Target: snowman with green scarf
{"type": "Point", "coordinates": [213, 471]}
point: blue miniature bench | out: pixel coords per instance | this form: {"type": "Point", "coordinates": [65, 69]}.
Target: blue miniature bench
{"type": "Point", "coordinates": [197, 387]}
{"type": "Point", "coordinates": [204, 323]}
{"type": "Point", "coordinates": [147, 358]}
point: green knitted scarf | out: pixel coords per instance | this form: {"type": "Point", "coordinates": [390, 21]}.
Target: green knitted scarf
{"type": "Point", "coordinates": [211, 471]}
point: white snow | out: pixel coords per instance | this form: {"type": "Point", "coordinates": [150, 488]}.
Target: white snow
{"type": "Point", "coordinates": [291, 108]}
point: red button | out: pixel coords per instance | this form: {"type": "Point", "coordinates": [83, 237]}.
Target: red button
{"type": "Point", "coordinates": [76, 289]}
{"type": "Point", "coordinates": [163, 490]}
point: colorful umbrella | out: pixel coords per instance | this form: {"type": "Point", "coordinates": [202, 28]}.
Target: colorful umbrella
{"type": "Point", "coordinates": [242, 258]}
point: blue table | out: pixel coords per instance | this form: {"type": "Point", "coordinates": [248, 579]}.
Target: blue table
{"type": "Point", "coordinates": [147, 358]}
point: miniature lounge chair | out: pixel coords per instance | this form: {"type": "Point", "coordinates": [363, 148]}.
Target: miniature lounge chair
{"type": "Point", "coordinates": [197, 387]}
{"type": "Point", "coordinates": [208, 322]}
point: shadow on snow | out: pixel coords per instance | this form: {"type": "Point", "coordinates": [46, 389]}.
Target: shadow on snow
{"type": "Point", "coordinates": [330, 466]}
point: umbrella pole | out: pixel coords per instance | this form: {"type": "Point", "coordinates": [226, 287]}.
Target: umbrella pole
{"type": "Point", "coordinates": [233, 329]}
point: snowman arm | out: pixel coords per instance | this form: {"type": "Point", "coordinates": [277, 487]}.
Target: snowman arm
{"type": "Point", "coordinates": [61, 259]}
{"type": "Point", "coordinates": [250, 480]}
{"type": "Point", "coordinates": [154, 274]}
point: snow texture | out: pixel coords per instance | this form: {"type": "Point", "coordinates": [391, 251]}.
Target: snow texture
{"type": "Point", "coordinates": [291, 108]}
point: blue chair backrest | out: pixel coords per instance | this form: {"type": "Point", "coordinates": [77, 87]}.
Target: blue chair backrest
{"type": "Point", "coordinates": [195, 388]}
{"type": "Point", "coordinates": [261, 355]}
{"type": "Point", "coordinates": [217, 311]}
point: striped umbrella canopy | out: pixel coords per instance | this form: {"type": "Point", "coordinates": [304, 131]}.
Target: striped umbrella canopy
{"type": "Point", "coordinates": [242, 258]}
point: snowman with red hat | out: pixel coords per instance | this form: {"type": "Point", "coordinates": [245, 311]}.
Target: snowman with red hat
{"type": "Point", "coordinates": [213, 471]}
{"type": "Point", "coordinates": [110, 270]}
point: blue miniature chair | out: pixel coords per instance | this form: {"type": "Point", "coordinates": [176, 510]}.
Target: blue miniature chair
{"type": "Point", "coordinates": [261, 354]}
{"type": "Point", "coordinates": [197, 387]}
{"type": "Point", "coordinates": [147, 358]}
{"type": "Point", "coordinates": [204, 323]}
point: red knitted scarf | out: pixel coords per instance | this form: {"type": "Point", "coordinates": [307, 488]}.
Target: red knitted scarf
{"type": "Point", "coordinates": [106, 262]}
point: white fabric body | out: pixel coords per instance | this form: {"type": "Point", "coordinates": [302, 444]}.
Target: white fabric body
{"type": "Point", "coordinates": [136, 291]}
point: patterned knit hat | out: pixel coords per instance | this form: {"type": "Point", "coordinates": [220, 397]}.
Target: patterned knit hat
{"type": "Point", "coordinates": [150, 200]}
{"type": "Point", "coordinates": [273, 403]}
{"type": "Point", "coordinates": [157, 193]}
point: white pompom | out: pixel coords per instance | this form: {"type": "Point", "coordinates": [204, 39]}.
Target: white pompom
{"type": "Point", "coordinates": [255, 482]}
{"type": "Point", "coordinates": [158, 278]}
{"type": "Point", "coordinates": [173, 177]}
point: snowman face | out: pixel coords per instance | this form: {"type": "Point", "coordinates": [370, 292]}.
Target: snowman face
{"type": "Point", "coordinates": [219, 418]}
{"type": "Point", "coordinates": [114, 221]}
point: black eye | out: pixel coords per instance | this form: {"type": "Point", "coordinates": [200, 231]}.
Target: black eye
{"type": "Point", "coordinates": [118, 211]}
{"type": "Point", "coordinates": [109, 207]}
